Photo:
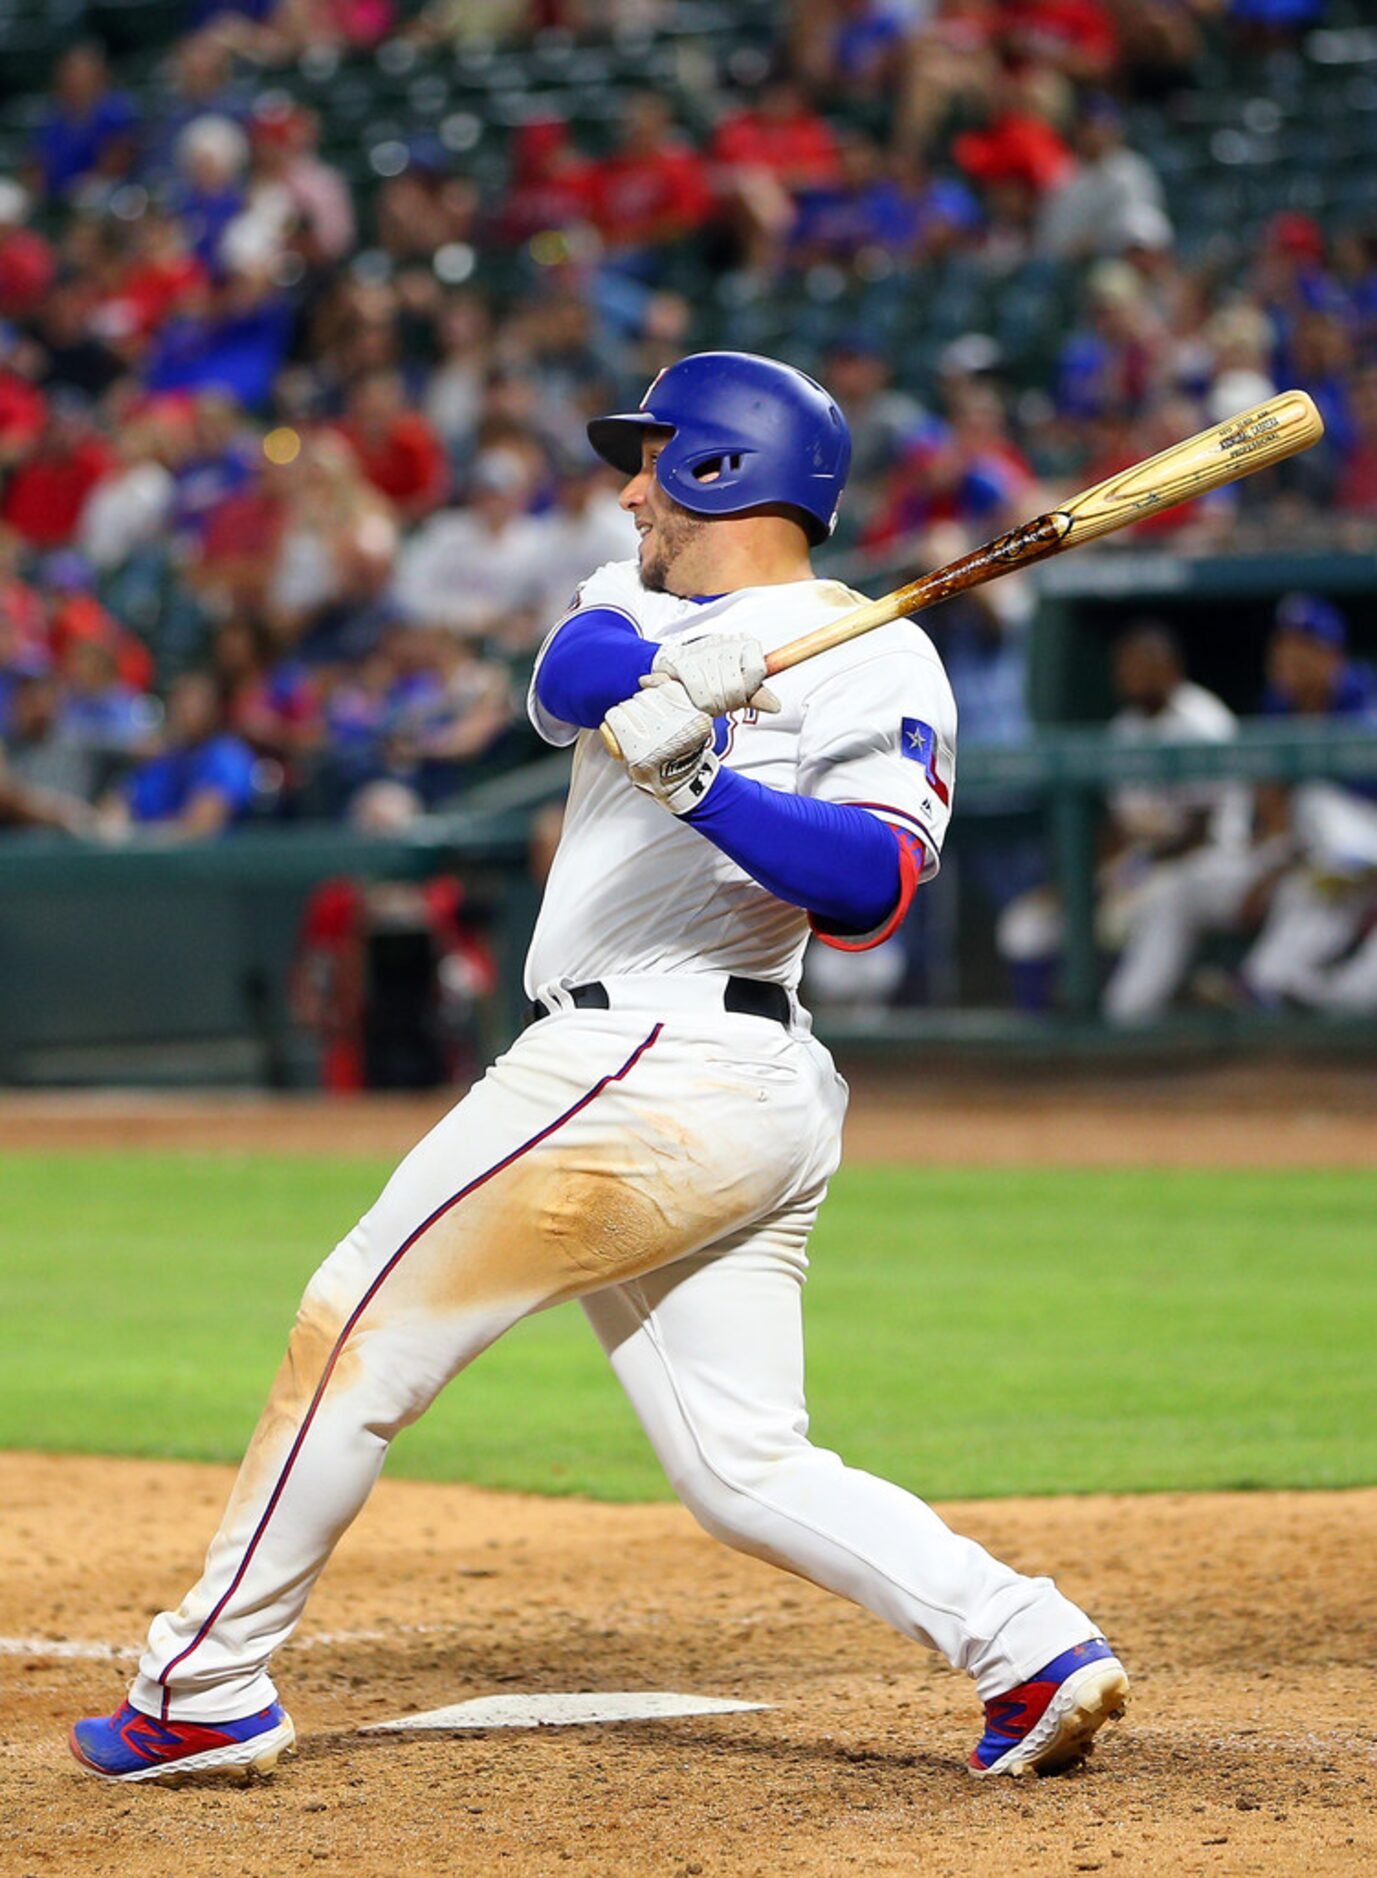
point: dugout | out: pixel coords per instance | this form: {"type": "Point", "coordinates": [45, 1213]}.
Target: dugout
{"type": "Point", "coordinates": [1221, 608]}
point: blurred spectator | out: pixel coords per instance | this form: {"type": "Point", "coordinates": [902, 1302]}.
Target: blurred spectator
{"type": "Point", "coordinates": [231, 339]}
{"type": "Point", "coordinates": [389, 975]}
{"type": "Point", "coordinates": [1017, 147]}
{"type": "Point", "coordinates": [427, 207]}
{"type": "Point", "coordinates": [75, 613]}
{"type": "Point", "coordinates": [156, 274]}
{"type": "Point", "coordinates": [447, 709]}
{"type": "Point", "coordinates": [46, 778]}
{"type": "Point", "coordinates": [27, 261]}
{"type": "Point", "coordinates": [586, 527]}
{"type": "Point", "coordinates": [77, 359]}
{"type": "Point", "coordinates": [202, 780]}
{"type": "Point", "coordinates": [878, 209]}
{"type": "Point", "coordinates": [1079, 37]}
{"type": "Point", "coordinates": [23, 408]}
{"type": "Point", "coordinates": [952, 60]}
{"type": "Point", "coordinates": [480, 569]}
{"type": "Point", "coordinates": [295, 202]}
{"type": "Point", "coordinates": [130, 507]}
{"type": "Point", "coordinates": [199, 82]}
{"type": "Point", "coordinates": [273, 704]}
{"type": "Point", "coordinates": [23, 621]}
{"type": "Point", "coordinates": [90, 131]}
{"type": "Point", "coordinates": [766, 154]}
{"type": "Point", "coordinates": [549, 187]}
{"type": "Point", "coordinates": [213, 457]}
{"type": "Point", "coordinates": [334, 555]}
{"type": "Point", "coordinates": [47, 490]}
{"type": "Point", "coordinates": [965, 470]}
{"type": "Point", "coordinates": [396, 447]}
{"type": "Point", "coordinates": [653, 190]}
{"type": "Point", "coordinates": [454, 394]}
{"type": "Point", "coordinates": [212, 157]}
{"type": "Point", "coordinates": [240, 543]}
{"type": "Point", "coordinates": [1109, 367]}
{"type": "Point", "coordinates": [1112, 200]}
{"type": "Point", "coordinates": [102, 714]}
{"type": "Point", "coordinates": [882, 418]}
{"type": "Point", "coordinates": [850, 48]}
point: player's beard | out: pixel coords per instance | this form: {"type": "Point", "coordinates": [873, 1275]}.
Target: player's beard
{"type": "Point", "coordinates": [666, 552]}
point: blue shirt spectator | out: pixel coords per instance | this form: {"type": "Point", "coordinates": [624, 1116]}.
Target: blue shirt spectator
{"type": "Point", "coordinates": [89, 127]}
{"type": "Point", "coordinates": [236, 350]}
{"type": "Point", "coordinates": [165, 787]}
{"type": "Point", "coordinates": [202, 782]}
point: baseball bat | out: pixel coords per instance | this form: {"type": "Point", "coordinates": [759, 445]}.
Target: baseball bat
{"type": "Point", "coordinates": [1242, 445]}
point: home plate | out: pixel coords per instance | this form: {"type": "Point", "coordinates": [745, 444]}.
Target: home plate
{"type": "Point", "coordinates": [561, 1711]}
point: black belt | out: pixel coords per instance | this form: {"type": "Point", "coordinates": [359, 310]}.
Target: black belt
{"type": "Point", "coordinates": [746, 997]}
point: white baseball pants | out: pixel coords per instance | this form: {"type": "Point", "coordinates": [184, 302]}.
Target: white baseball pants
{"type": "Point", "coordinates": [663, 1161]}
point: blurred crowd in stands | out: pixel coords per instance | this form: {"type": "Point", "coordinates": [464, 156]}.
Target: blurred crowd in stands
{"type": "Point", "coordinates": [256, 430]}
{"type": "Point", "coordinates": [294, 472]}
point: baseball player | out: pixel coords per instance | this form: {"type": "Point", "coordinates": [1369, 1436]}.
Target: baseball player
{"type": "Point", "coordinates": [659, 1139]}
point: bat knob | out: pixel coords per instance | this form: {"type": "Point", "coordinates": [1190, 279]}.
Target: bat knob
{"type": "Point", "coordinates": [610, 744]}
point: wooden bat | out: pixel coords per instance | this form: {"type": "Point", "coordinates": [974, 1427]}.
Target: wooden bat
{"type": "Point", "coordinates": [1242, 445]}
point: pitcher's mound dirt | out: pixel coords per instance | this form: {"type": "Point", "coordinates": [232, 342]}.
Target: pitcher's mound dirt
{"type": "Point", "coordinates": [1249, 1624]}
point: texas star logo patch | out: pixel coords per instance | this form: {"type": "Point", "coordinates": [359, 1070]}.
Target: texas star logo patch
{"type": "Point", "coordinates": [919, 741]}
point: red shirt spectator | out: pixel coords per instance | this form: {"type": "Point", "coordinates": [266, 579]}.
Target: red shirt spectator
{"type": "Point", "coordinates": [397, 449]}
{"type": "Point", "coordinates": [23, 413]}
{"type": "Point", "coordinates": [654, 188]}
{"type": "Point", "coordinates": [783, 136]}
{"type": "Point", "coordinates": [1078, 35]}
{"type": "Point", "coordinates": [550, 182]}
{"type": "Point", "coordinates": [23, 625]}
{"type": "Point", "coordinates": [162, 276]}
{"type": "Point", "coordinates": [80, 616]}
{"type": "Point", "coordinates": [27, 267]}
{"type": "Point", "coordinates": [48, 490]}
{"type": "Point", "coordinates": [1016, 148]}
{"type": "Point", "coordinates": [245, 527]}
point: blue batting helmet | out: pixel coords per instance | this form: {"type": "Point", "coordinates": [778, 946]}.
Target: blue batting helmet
{"type": "Point", "coordinates": [771, 435]}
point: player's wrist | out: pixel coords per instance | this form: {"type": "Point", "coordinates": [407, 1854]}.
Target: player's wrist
{"type": "Point", "coordinates": [681, 796]}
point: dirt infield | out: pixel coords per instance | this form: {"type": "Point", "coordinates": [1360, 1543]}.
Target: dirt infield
{"type": "Point", "coordinates": [1248, 1622]}
{"type": "Point", "coordinates": [1228, 1118]}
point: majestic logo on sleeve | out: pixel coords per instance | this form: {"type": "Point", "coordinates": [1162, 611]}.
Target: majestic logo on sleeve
{"type": "Point", "coordinates": [919, 741]}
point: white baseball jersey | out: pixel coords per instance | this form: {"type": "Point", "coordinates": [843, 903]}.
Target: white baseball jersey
{"type": "Point", "coordinates": [1191, 715]}
{"type": "Point", "coordinates": [635, 890]}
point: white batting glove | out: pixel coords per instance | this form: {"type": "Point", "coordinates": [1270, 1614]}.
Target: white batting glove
{"type": "Point", "coordinates": [722, 672]}
{"type": "Point", "coordinates": [666, 744]}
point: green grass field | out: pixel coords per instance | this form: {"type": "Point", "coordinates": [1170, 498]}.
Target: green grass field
{"type": "Point", "coordinates": [971, 1331]}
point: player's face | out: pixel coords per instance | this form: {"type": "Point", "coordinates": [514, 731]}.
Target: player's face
{"type": "Point", "coordinates": [670, 535]}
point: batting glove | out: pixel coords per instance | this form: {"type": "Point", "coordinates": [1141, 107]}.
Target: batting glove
{"type": "Point", "coordinates": [721, 673]}
{"type": "Point", "coordinates": [666, 744]}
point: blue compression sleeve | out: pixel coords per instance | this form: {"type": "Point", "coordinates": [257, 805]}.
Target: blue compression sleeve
{"type": "Point", "coordinates": [594, 661]}
{"type": "Point", "coordinates": [837, 862]}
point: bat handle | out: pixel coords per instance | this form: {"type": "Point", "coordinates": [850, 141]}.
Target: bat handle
{"type": "Point", "coordinates": [610, 744]}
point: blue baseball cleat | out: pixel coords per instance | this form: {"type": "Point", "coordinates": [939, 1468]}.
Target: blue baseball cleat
{"type": "Point", "coordinates": [1049, 1722]}
{"type": "Point", "coordinates": [130, 1745]}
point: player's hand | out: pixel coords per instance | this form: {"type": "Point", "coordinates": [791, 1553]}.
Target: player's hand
{"type": "Point", "coordinates": [666, 744]}
{"type": "Point", "coordinates": [722, 672]}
